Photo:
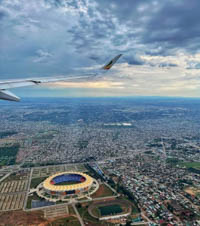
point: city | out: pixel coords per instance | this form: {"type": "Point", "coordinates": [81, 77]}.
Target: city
{"type": "Point", "coordinates": [145, 149]}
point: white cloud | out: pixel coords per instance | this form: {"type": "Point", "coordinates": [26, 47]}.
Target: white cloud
{"type": "Point", "coordinates": [62, 35]}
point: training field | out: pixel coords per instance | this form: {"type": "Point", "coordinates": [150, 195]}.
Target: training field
{"type": "Point", "coordinates": [110, 210]}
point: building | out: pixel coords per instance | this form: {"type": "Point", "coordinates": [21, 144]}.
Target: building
{"type": "Point", "coordinates": [67, 184]}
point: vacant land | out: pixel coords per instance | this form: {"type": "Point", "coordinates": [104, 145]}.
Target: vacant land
{"type": "Point", "coordinates": [22, 218]}
{"type": "Point", "coordinates": [193, 191]}
{"type": "Point", "coordinates": [69, 221]}
{"type": "Point", "coordinates": [103, 191]}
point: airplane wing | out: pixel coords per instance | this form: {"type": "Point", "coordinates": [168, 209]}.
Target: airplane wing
{"type": "Point", "coordinates": [7, 95]}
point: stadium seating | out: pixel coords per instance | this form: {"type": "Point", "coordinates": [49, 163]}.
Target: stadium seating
{"type": "Point", "coordinates": [67, 178]}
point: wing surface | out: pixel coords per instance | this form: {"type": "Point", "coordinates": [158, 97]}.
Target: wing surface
{"type": "Point", "coordinates": [15, 83]}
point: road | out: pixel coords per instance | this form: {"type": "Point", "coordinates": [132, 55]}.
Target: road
{"type": "Point", "coordinates": [78, 215]}
{"type": "Point", "coordinates": [4, 177]}
{"type": "Point", "coordinates": [28, 188]}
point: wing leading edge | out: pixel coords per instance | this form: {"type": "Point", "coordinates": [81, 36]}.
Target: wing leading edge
{"type": "Point", "coordinates": [7, 95]}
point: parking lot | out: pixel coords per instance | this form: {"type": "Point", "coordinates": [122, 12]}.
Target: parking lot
{"type": "Point", "coordinates": [12, 194]}
{"type": "Point", "coordinates": [12, 201]}
{"type": "Point", "coordinates": [13, 186]}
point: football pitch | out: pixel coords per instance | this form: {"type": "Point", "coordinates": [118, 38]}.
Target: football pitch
{"type": "Point", "coordinates": [110, 210]}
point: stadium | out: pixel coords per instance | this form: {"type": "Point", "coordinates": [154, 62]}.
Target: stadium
{"type": "Point", "coordinates": [67, 184]}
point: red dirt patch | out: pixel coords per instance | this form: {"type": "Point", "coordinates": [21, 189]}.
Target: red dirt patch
{"type": "Point", "coordinates": [103, 191]}
{"type": "Point", "coordinates": [22, 218]}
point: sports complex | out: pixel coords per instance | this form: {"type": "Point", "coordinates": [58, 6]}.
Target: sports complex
{"type": "Point", "coordinates": [113, 209]}
{"type": "Point", "coordinates": [66, 184]}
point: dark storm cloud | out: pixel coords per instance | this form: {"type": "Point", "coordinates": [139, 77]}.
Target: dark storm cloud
{"type": "Point", "coordinates": [147, 26]}
{"type": "Point", "coordinates": [3, 14]}
{"type": "Point", "coordinates": [176, 25]}
{"type": "Point", "coordinates": [133, 60]}
{"type": "Point", "coordinates": [160, 27]}
{"type": "Point", "coordinates": [54, 36]}
{"type": "Point", "coordinates": [94, 57]}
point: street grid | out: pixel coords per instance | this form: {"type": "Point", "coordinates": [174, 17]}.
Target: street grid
{"type": "Point", "coordinates": [50, 170]}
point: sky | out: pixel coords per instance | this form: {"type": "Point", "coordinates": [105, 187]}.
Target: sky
{"type": "Point", "coordinates": [159, 40]}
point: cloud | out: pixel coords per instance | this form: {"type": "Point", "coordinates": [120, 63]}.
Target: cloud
{"type": "Point", "coordinates": [89, 84]}
{"type": "Point", "coordinates": [133, 60]}
{"type": "Point", "coordinates": [3, 14]}
{"type": "Point", "coordinates": [160, 42]}
{"type": "Point", "coordinates": [42, 56]}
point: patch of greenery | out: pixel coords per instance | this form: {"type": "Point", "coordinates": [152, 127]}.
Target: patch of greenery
{"type": "Point", "coordinates": [71, 210]}
{"type": "Point", "coordinates": [172, 161]}
{"type": "Point", "coordinates": [30, 199]}
{"type": "Point", "coordinates": [36, 181]}
{"type": "Point", "coordinates": [149, 152]}
{"type": "Point", "coordinates": [85, 215]}
{"type": "Point", "coordinates": [195, 165]}
{"type": "Point", "coordinates": [82, 144]}
{"type": "Point", "coordinates": [110, 210]}
{"type": "Point", "coordinates": [8, 154]}
{"type": "Point", "coordinates": [130, 197]}
{"type": "Point", "coordinates": [7, 134]}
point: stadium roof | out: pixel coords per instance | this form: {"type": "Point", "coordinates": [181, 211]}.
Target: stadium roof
{"type": "Point", "coordinates": [51, 187]}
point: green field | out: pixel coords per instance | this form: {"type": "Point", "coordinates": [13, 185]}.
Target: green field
{"type": "Point", "coordinates": [83, 211]}
{"type": "Point", "coordinates": [195, 165]}
{"type": "Point", "coordinates": [36, 181]}
{"type": "Point", "coordinates": [86, 216]}
{"type": "Point", "coordinates": [110, 210]}
{"type": "Point", "coordinates": [8, 154]}
{"type": "Point", "coordinates": [7, 134]}
{"type": "Point", "coordinates": [30, 199]}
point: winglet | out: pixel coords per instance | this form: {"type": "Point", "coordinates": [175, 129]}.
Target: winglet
{"type": "Point", "coordinates": [111, 63]}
